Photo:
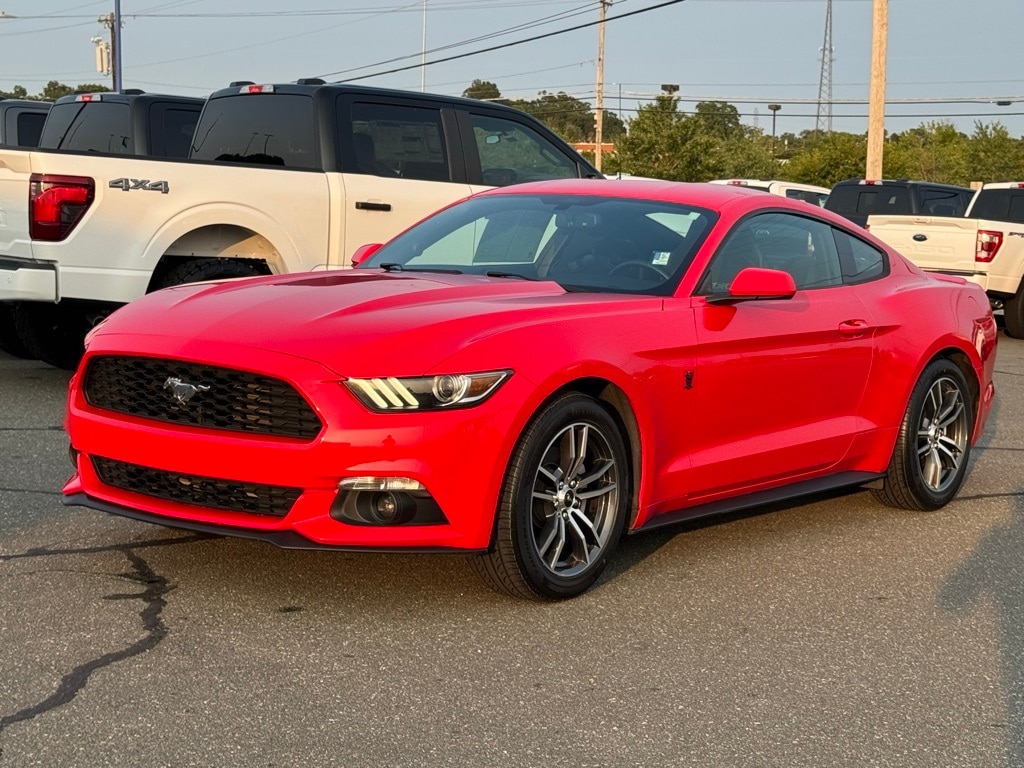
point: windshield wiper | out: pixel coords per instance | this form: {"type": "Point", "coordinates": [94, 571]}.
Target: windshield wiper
{"type": "Point", "coordinates": [396, 267]}
{"type": "Point", "coordinates": [499, 273]}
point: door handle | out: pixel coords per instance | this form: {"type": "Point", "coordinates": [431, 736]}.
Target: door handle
{"type": "Point", "coordinates": [365, 205]}
{"type": "Point", "coordinates": [854, 327]}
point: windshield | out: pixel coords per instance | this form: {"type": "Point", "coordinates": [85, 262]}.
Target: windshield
{"type": "Point", "coordinates": [582, 242]}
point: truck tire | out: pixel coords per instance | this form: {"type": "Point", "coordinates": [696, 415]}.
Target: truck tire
{"type": "Point", "coordinates": [53, 333]}
{"type": "Point", "coordinates": [10, 339]}
{"type": "Point", "coordinates": [197, 270]}
{"type": "Point", "coordinates": [1013, 311]}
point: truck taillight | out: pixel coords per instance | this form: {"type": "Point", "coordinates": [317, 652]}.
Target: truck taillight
{"type": "Point", "coordinates": [988, 245]}
{"type": "Point", "coordinates": [57, 204]}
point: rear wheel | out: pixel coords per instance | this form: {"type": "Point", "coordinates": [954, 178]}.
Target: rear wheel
{"type": "Point", "coordinates": [1013, 312]}
{"type": "Point", "coordinates": [563, 504]}
{"type": "Point", "coordinates": [195, 271]}
{"type": "Point", "coordinates": [10, 339]}
{"type": "Point", "coordinates": [929, 462]}
{"type": "Point", "coordinates": [55, 333]}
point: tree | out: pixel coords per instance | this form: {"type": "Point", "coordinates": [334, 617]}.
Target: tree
{"type": "Point", "coordinates": [53, 91]}
{"type": "Point", "coordinates": [482, 89]}
{"type": "Point", "coordinates": [932, 151]}
{"type": "Point", "coordinates": [720, 119]}
{"type": "Point", "coordinates": [992, 155]}
{"type": "Point", "coordinates": [833, 157]}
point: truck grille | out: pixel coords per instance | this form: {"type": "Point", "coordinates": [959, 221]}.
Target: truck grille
{"type": "Point", "coordinates": [251, 498]}
{"type": "Point", "coordinates": [211, 397]}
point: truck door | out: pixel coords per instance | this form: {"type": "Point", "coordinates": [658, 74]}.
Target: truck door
{"type": "Point", "coordinates": [401, 161]}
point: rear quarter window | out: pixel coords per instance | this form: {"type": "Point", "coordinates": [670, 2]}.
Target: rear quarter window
{"type": "Point", "coordinates": [95, 126]}
{"type": "Point", "coordinates": [1000, 205]}
{"type": "Point", "coordinates": [865, 200]}
{"type": "Point", "coordinates": [259, 129]}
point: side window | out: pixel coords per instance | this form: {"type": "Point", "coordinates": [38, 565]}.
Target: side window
{"type": "Point", "coordinates": [800, 246]}
{"type": "Point", "coordinates": [941, 202]}
{"type": "Point", "coordinates": [861, 262]}
{"type": "Point", "coordinates": [177, 128]}
{"type": "Point", "coordinates": [30, 127]}
{"type": "Point", "coordinates": [512, 152]}
{"type": "Point", "coordinates": [398, 141]}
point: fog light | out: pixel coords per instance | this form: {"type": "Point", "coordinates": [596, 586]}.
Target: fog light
{"type": "Point", "coordinates": [386, 508]}
{"type": "Point", "coordinates": [385, 501]}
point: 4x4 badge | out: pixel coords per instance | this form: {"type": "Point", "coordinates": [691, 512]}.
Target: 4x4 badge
{"type": "Point", "coordinates": [182, 391]}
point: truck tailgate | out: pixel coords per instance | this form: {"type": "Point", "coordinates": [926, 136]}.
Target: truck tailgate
{"type": "Point", "coordinates": [936, 243]}
{"type": "Point", "coordinates": [15, 171]}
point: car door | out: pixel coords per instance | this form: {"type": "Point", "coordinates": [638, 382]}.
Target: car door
{"type": "Point", "coordinates": [503, 149]}
{"type": "Point", "coordinates": [401, 161]}
{"type": "Point", "coordinates": [779, 382]}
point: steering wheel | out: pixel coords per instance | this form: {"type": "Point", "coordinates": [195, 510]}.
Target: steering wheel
{"type": "Point", "coordinates": [640, 267]}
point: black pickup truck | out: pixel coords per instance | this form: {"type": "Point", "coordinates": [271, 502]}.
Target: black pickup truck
{"type": "Point", "coordinates": [21, 122]}
{"type": "Point", "coordinates": [856, 199]}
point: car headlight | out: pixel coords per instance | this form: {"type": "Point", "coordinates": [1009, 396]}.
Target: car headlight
{"type": "Point", "coordinates": [450, 390]}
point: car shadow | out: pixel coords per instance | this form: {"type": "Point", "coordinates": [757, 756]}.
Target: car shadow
{"type": "Point", "coordinates": [993, 574]}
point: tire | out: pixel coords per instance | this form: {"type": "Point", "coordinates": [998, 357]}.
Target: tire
{"type": "Point", "coordinates": [55, 333]}
{"type": "Point", "coordinates": [932, 450]}
{"type": "Point", "coordinates": [1013, 314]}
{"type": "Point", "coordinates": [10, 339]}
{"type": "Point", "coordinates": [558, 520]}
{"type": "Point", "coordinates": [198, 270]}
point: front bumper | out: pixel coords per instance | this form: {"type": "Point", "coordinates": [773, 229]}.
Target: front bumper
{"type": "Point", "coordinates": [459, 456]}
{"type": "Point", "coordinates": [28, 280]}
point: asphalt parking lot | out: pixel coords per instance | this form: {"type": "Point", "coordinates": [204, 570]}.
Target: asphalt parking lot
{"type": "Point", "coordinates": [832, 633]}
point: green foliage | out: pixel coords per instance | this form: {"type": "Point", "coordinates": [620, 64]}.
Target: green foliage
{"type": "Point", "coordinates": [992, 155]}
{"type": "Point", "coordinates": [482, 89]}
{"type": "Point", "coordinates": [53, 91]}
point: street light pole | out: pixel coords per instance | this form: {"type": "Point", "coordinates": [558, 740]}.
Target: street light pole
{"type": "Point", "coordinates": [423, 55]}
{"type": "Point", "coordinates": [774, 109]}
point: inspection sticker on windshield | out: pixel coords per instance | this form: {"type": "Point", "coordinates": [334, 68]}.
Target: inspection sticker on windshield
{"type": "Point", "coordinates": [660, 258]}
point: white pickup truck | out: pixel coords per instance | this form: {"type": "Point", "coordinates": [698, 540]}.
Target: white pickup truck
{"type": "Point", "coordinates": [986, 246]}
{"type": "Point", "coordinates": [280, 178]}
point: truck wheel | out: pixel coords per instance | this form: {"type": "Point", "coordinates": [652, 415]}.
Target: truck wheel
{"type": "Point", "coordinates": [199, 270]}
{"type": "Point", "coordinates": [10, 339]}
{"type": "Point", "coordinates": [53, 333]}
{"type": "Point", "coordinates": [1013, 311]}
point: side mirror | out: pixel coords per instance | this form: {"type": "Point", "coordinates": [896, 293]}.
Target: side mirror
{"type": "Point", "coordinates": [363, 252]}
{"type": "Point", "coordinates": [754, 283]}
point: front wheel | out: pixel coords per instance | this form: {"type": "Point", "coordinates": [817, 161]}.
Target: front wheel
{"type": "Point", "coordinates": [929, 462]}
{"type": "Point", "coordinates": [563, 503]}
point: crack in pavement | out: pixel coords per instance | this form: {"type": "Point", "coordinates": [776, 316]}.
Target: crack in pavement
{"type": "Point", "coordinates": [153, 595]}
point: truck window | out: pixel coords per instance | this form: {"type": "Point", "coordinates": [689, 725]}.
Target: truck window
{"type": "Point", "coordinates": [511, 152]}
{"type": "Point", "coordinates": [399, 141]}
{"type": "Point", "coordinates": [261, 129]}
{"type": "Point", "coordinates": [1000, 205]}
{"type": "Point", "coordinates": [942, 202]}
{"type": "Point", "coordinates": [869, 199]}
{"type": "Point", "coordinates": [96, 126]}
{"type": "Point", "coordinates": [173, 129]}
{"type": "Point", "coordinates": [30, 126]}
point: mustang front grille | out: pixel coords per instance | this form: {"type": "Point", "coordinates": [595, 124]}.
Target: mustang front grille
{"type": "Point", "coordinates": [199, 396]}
{"type": "Point", "coordinates": [251, 498]}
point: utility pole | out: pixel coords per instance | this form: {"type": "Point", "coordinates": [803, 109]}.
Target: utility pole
{"type": "Point", "coordinates": [113, 22]}
{"type": "Point", "coordinates": [599, 107]}
{"type": "Point", "coordinates": [876, 100]}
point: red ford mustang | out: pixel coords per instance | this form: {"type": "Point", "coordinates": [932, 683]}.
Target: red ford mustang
{"type": "Point", "coordinates": [531, 373]}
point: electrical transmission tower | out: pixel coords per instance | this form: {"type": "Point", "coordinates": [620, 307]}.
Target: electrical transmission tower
{"type": "Point", "coordinates": [824, 122]}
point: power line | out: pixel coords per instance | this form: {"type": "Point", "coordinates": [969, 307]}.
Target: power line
{"type": "Point", "coordinates": [510, 45]}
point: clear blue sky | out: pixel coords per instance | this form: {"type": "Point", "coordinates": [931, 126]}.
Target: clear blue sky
{"type": "Point", "coordinates": [748, 52]}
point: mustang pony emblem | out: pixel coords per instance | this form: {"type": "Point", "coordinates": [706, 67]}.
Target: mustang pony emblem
{"type": "Point", "coordinates": [182, 391]}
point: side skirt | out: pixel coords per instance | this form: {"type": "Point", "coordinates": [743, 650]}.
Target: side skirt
{"type": "Point", "coordinates": [761, 498]}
